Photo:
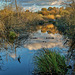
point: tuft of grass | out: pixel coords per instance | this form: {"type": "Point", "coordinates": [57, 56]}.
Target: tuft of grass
{"type": "Point", "coordinates": [50, 62]}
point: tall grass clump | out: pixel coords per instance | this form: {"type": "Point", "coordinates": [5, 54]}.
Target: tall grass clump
{"type": "Point", "coordinates": [50, 63]}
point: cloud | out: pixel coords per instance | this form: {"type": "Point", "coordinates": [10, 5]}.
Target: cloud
{"type": "Point", "coordinates": [35, 44]}
{"type": "Point", "coordinates": [56, 2]}
{"type": "Point", "coordinates": [40, 2]}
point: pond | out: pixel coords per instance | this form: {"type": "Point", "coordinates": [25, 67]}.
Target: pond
{"type": "Point", "coordinates": [17, 58]}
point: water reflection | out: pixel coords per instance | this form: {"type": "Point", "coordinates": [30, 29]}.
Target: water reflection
{"type": "Point", "coordinates": [18, 55]}
{"type": "Point", "coordinates": [39, 40]}
{"type": "Point", "coordinates": [49, 28]}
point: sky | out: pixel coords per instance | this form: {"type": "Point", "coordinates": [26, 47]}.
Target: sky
{"type": "Point", "coordinates": [34, 5]}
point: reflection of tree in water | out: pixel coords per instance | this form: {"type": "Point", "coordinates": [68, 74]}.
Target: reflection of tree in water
{"type": "Point", "coordinates": [25, 34]}
{"type": "Point", "coordinates": [49, 28]}
{"type": "Point", "coordinates": [9, 46]}
{"type": "Point", "coordinates": [8, 52]}
{"type": "Point", "coordinates": [1, 63]}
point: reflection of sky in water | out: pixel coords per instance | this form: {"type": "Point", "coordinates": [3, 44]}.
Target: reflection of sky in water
{"type": "Point", "coordinates": [10, 63]}
{"type": "Point", "coordinates": [12, 57]}
{"type": "Point", "coordinates": [13, 67]}
{"type": "Point", "coordinates": [42, 42]}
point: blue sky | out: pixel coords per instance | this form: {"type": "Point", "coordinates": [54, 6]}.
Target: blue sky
{"type": "Point", "coordinates": [35, 5]}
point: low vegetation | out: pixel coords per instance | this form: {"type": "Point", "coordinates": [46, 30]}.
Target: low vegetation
{"type": "Point", "coordinates": [66, 24]}
{"type": "Point", "coordinates": [49, 62]}
{"type": "Point", "coordinates": [14, 22]}
{"type": "Point", "coordinates": [11, 20]}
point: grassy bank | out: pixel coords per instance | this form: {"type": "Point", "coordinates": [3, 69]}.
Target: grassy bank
{"type": "Point", "coordinates": [49, 62]}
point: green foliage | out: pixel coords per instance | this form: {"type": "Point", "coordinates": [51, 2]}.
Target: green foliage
{"type": "Point", "coordinates": [12, 34]}
{"type": "Point", "coordinates": [66, 25]}
{"type": "Point", "coordinates": [50, 62]}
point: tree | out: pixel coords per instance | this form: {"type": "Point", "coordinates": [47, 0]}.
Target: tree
{"type": "Point", "coordinates": [16, 5]}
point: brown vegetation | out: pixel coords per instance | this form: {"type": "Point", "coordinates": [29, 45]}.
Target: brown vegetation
{"type": "Point", "coordinates": [44, 9]}
{"type": "Point", "coordinates": [17, 21]}
{"type": "Point", "coordinates": [50, 17]}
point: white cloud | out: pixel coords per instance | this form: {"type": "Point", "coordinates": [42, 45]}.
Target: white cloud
{"type": "Point", "coordinates": [56, 2]}
{"type": "Point", "coordinates": [35, 44]}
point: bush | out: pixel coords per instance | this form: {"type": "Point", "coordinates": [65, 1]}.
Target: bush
{"type": "Point", "coordinates": [50, 26]}
{"type": "Point", "coordinates": [64, 12]}
{"type": "Point", "coordinates": [50, 8]}
{"type": "Point", "coordinates": [50, 62]}
{"type": "Point", "coordinates": [44, 9]}
{"type": "Point", "coordinates": [27, 10]}
{"type": "Point", "coordinates": [58, 16]}
{"type": "Point", "coordinates": [51, 17]}
{"type": "Point", "coordinates": [41, 22]}
{"type": "Point", "coordinates": [53, 12]}
{"type": "Point", "coordinates": [12, 35]}
{"type": "Point", "coordinates": [44, 13]}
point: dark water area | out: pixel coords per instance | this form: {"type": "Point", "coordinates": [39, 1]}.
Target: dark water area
{"type": "Point", "coordinates": [17, 58]}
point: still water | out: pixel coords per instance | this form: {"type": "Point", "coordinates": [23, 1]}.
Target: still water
{"type": "Point", "coordinates": [17, 58]}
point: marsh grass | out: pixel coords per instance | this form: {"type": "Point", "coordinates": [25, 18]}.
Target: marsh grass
{"type": "Point", "coordinates": [50, 63]}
